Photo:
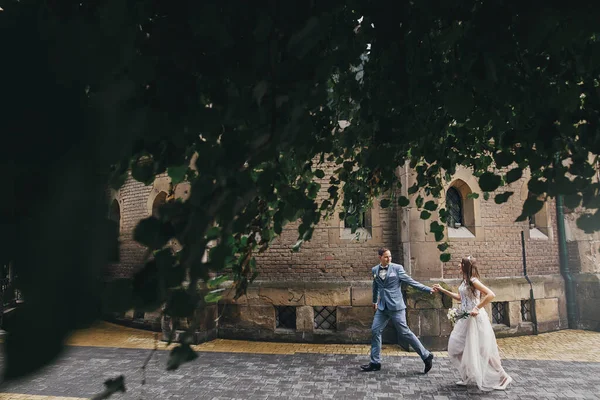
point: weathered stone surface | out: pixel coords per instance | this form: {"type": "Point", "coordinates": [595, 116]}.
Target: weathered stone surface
{"type": "Point", "coordinates": [418, 299]}
{"type": "Point", "coordinates": [362, 295]}
{"type": "Point", "coordinates": [355, 318]}
{"type": "Point", "coordinates": [248, 316]}
{"type": "Point", "coordinates": [281, 296]}
{"type": "Point", "coordinates": [327, 296]}
{"type": "Point", "coordinates": [546, 310]}
{"type": "Point", "coordinates": [445, 324]}
{"type": "Point", "coordinates": [305, 318]}
{"type": "Point", "coordinates": [429, 322]}
{"type": "Point", "coordinates": [514, 313]}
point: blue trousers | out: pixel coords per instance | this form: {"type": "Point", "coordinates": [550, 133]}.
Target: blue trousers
{"type": "Point", "coordinates": [398, 318]}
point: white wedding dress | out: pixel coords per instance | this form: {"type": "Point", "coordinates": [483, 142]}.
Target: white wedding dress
{"type": "Point", "coordinates": [472, 346]}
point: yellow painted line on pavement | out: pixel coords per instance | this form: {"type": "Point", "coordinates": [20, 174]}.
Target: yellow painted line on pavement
{"type": "Point", "coordinates": [18, 396]}
{"type": "Point", "coordinates": [565, 345]}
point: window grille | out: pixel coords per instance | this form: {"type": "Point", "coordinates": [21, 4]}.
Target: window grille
{"type": "Point", "coordinates": [285, 317]}
{"type": "Point", "coordinates": [526, 310]}
{"type": "Point", "coordinates": [454, 207]}
{"type": "Point", "coordinates": [500, 313]}
{"type": "Point", "coordinates": [325, 318]}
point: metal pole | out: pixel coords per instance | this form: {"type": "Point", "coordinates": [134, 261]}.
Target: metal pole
{"type": "Point", "coordinates": [531, 298]}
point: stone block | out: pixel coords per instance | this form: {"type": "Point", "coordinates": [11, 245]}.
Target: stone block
{"type": "Point", "coordinates": [553, 288]}
{"type": "Point", "coordinates": [362, 296]}
{"type": "Point", "coordinates": [429, 322]}
{"type": "Point", "coordinates": [504, 289]}
{"type": "Point", "coordinates": [287, 296]}
{"type": "Point", "coordinates": [423, 300]}
{"type": "Point", "coordinates": [328, 295]}
{"type": "Point", "coordinates": [546, 310]}
{"type": "Point", "coordinates": [426, 260]}
{"type": "Point", "coordinates": [251, 297]}
{"type": "Point", "coordinates": [355, 318]}
{"type": "Point", "coordinates": [305, 318]}
{"type": "Point", "coordinates": [514, 313]}
{"type": "Point", "coordinates": [445, 324]}
{"type": "Point", "coordinates": [248, 316]}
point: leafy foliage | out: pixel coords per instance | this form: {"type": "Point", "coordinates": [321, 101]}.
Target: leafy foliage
{"type": "Point", "coordinates": [253, 93]}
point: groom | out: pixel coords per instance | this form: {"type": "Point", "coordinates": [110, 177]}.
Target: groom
{"type": "Point", "coordinates": [388, 301]}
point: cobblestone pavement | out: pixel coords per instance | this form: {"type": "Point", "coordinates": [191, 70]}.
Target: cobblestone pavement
{"type": "Point", "coordinates": [557, 365]}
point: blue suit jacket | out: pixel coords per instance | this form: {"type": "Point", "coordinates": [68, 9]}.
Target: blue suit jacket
{"type": "Point", "coordinates": [387, 293]}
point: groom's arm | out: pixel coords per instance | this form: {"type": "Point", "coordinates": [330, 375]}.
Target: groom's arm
{"type": "Point", "coordinates": [375, 291]}
{"type": "Point", "coordinates": [410, 281]}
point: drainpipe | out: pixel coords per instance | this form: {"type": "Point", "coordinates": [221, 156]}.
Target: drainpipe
{"type": "Point", "coordinates": [565, 270]}
{"type": "Point", "coordinates": [531, 298]}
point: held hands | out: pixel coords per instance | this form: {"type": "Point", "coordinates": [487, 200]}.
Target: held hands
{"type": "Point", "coordinates": [436, 288]}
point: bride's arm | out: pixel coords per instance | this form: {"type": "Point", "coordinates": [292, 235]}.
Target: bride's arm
{"type": "Point", "coordinates": [489, 295]}
{"type": "Point", "coordinates": [438, 288]}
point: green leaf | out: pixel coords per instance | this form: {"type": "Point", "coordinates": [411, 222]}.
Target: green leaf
{"type": "Point", "coordinates": [436, 227]}
{"type": "Point", "coordinates": [536, 186]}
{"type": "Point", "coordinates": [180, 355]}
{"type": "Point", "coordinates": [503, 159]}
{"type": "Point", "coordinates": [430, 205]}
{"type": "Point", "coordinates": [445, 257]}
{"type": "Point", "coordinates": [319, 173]}
{"type": "Point", "coordinates": [214, 295]}
{"type": "Point", "coordinates": [572, 201]}
{"type": "Point", "coordinates": [419, 201]}
{"type": "Point", "coordinates": [443, 215]}
{"type": "Point", "coordinates": [213, 233]}
{"type": "Point", "coordinates": [403, 201]}
{"type": "Point", "coordinates": [177, 174]}
{"type": "Point", "coordinates": [112, 386]}
{"type": "Point", "coordinates": [488, 181]}
{"type": "Point", "coordinates": [143, 171]}
{"type": "Point", "coordinates": [514, 175]}
{"type": "Point", "coordinates": [215, 282]}
{"type": "Point", "coordinates": [473, 195]}
{"type": "Point", "coordinates": [297, 245]}
{"type": "Point", "coordinates": [425, 214]}
{"type": "Point", "coordinates": [385, 203]}
{"type": "Point", "coordinates": [458, 103]}
{"type": "Point", "coordinates": [486, 196]}
{"type": "Point", "coordinates": [530, 207]}
{"type": "Point", "coordinates": [443, 246]}
{"type": "Point", "coordinates": [413, 189]}
{"type": "Point", "coordinates": [589, 223]}
{"type": "Point", "coordinates": [438, 236]}
{"type": "Point", "coordinates": [152, 233]}
{"type": "Point", "coordinates": [502, 197]}
{"type": "Point", "coordinates": [180, 304]}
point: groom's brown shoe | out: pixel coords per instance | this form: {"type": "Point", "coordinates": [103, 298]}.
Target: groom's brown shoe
{"type": "Point", "coordinates": [428, 363]}
{"type": "Point", "coordinates": [370, 367]}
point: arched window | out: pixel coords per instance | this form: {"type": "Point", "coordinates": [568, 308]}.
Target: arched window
{"type": "Point", "coordinates": [159, 200]}
{"type": "Point", "coordinates": [454, 206]}
{"type": "Point", "coordinates": [114, 212]}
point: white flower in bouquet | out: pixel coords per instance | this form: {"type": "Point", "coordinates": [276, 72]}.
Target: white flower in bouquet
{"type": "Point", "coordinates": [454, 314]}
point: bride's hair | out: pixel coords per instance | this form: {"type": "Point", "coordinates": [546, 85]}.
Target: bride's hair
{"type": "Point", "coordinates": [469, 270]}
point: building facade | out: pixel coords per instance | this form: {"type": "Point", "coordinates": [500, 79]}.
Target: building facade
{"type": "Point", "coordinates": [323, 292]}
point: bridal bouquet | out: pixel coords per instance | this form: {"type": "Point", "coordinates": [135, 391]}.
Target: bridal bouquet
{"type": "Point", "coordinates": [454, 314]}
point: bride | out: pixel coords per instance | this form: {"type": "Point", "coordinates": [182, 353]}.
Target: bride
{"type": "Point", "coordinates": [472, 345]}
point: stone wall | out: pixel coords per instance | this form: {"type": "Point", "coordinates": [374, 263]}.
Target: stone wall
{"type": "Point", "coordinates": [584, 263]}
{"type": "Point", "coordinates": [490, 235]}
{"type": "Point", "coordinates": [254, 316]}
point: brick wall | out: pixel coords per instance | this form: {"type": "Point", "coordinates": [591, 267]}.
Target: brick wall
{"type": "Point", "coordinates": [498, 245]}
{"type": "Point", "coordinates": [132, 199]}
{"type": "Point", "coordinates": [329, 256]}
